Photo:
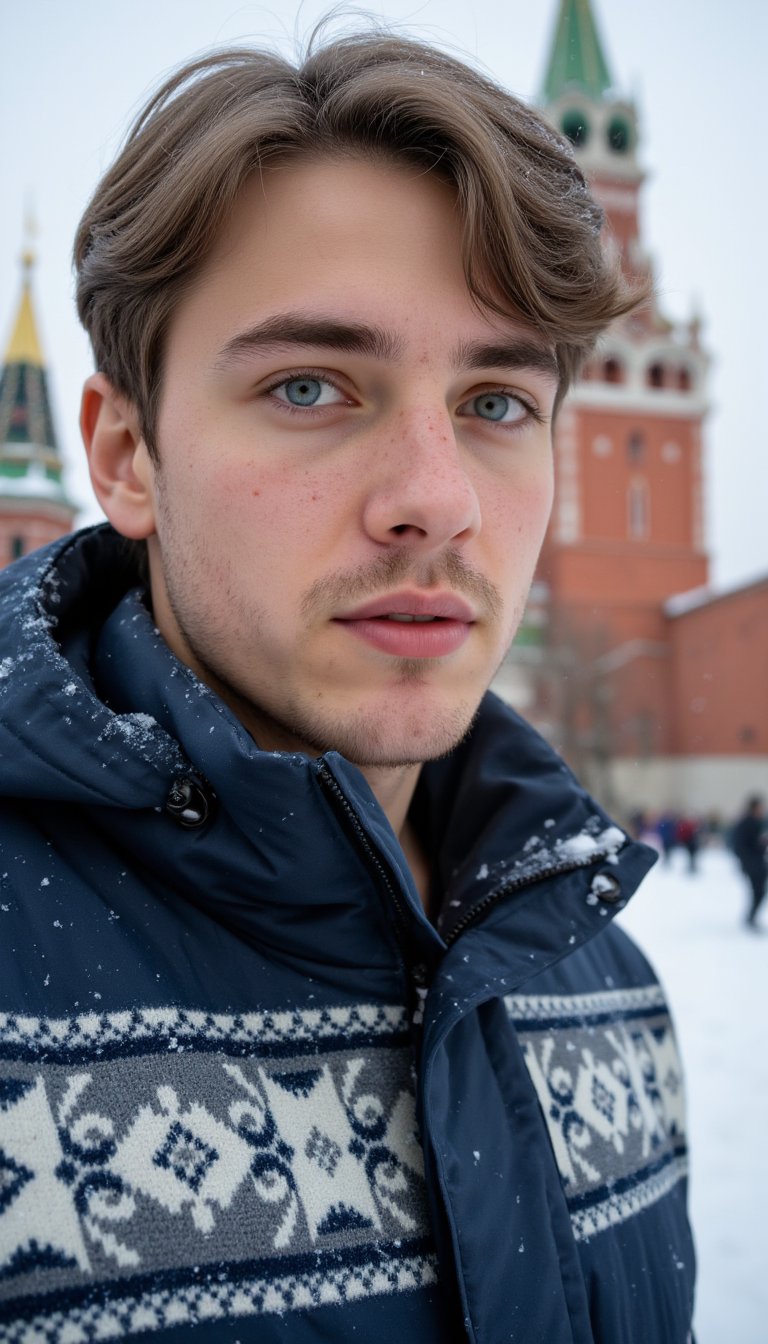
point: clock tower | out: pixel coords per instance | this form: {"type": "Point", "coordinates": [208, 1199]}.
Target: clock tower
{"type": "Point", "coordinates": [627, 526]}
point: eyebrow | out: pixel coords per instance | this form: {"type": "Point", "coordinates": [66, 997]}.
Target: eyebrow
{"type": "Point", "coordinates": [515, 354]}
{"type": "Point", "coordinates": [285, 331]}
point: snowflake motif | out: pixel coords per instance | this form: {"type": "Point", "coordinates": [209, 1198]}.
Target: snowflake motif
{"type": "Point", "coordinates": [186, 1155]}
{"type": "Point", "coordinates": [672, 1081]}
{"type": "Point", "coordinates": [320, 1148]}
{"type": "Point", "coordinates": [603, 1100]}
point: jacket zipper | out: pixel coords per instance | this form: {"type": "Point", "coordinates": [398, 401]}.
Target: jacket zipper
{"type": "Point", "coordinates": [515, 884]}
{"type": "Point", "coordinates": [415, 971]}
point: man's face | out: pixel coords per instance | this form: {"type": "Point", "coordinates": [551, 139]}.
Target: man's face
{"type": "Point", "coordinates": [355, 467]}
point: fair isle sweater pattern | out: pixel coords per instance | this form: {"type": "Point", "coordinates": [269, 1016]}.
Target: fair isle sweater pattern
{"type": "Point", "coordinates": [609, 1080]}
{"type": "Point", "coordinates": [163, 1167]}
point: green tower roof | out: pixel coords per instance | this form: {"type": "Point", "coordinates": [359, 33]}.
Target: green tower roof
{"type": "Point", "coordinates": [576, 59]}
{"type": "Point", "coordinates": [25, 412]}
{"type": "Point", "coordinates": [30, 463]}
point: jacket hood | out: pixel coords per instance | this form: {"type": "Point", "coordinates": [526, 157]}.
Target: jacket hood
{"type": "Point", "coordinates": [58, 738]}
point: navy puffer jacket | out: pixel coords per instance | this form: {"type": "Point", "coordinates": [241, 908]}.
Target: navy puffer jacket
{"type": "Point", "coordinates": [247, 1090]}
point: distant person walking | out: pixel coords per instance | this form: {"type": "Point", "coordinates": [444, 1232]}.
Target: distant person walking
{"type": "Point", "coordinates": [688, 836]}
{"type": "Point", "coordinates": [666, 829]}
{"type": "Point", "coordinates": [749, 841]}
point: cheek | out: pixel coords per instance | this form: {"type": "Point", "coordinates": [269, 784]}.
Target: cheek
{"type": "Point", "coordinates": [519, 515]}
{"type": "Point", "coordinates": [536, 505]}
{"type": "Point", "coordinates": [283, 509]}
{"type": "Point", "coordinates": [240, 498]}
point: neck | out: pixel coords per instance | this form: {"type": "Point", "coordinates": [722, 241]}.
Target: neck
{"type": "Point", "coordinates": [394, 787]}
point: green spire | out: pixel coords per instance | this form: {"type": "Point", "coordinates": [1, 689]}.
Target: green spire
{"type": "Point", "coordinates": [30, 463]}
{"type": "Point", "coordinates": [576, 59]}
{"type": "Point", "coordinates": [25, 413]}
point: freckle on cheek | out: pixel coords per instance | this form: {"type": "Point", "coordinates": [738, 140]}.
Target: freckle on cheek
{"type": "Point", "coordinates": [255, 492]}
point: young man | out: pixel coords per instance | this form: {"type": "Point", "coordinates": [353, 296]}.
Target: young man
{"type": "Point", "coordinates": [315, 1021]}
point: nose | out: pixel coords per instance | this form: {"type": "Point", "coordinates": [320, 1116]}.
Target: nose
{"type": "Point", "coordinates": [420, 491]}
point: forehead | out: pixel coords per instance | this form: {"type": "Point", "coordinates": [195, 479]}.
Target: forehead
{"type": "Point", "coordinates": [339, 200]}
{"type": "Point", "coordinates": [368, 241]}
{"type": "Point", "coordinates": [336, 226]}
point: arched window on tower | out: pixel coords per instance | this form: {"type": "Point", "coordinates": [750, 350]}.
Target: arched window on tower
{"type": "Point", "coordinates": [17, 547]}
{"type": "Point", "coordinates": [575, 125]}
{"type": "Point", "coordinates": [636, 446]}
{"type": "Point", "coordinates": [655, 375]}
{"type": "Point", "coordinates": [638, 510]}
{"type": "Point", "coordinates": [684, 379]}
{"type": "Point", "coordinates": [619, 135]}
{"type": "Point", "coordinates": [613, 371]}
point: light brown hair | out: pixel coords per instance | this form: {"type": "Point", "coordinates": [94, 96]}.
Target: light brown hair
{"type": "Point", "coordinates": [530, 226]}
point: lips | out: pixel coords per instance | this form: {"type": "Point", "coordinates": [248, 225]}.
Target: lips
{"type": "Point", "coordinates": [440, 606]}
{"type": "Point", "coordinates": [412, 625]}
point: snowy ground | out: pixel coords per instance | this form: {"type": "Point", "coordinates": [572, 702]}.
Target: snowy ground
{"type": "Point", "coordinates": [716, 976]}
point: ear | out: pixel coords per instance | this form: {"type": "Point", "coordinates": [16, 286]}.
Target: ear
{"type": "Point", "coordinates": [122, 472]}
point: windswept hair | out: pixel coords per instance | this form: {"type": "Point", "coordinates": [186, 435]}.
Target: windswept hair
{"type": "Point", "coordinates": [531, 229]}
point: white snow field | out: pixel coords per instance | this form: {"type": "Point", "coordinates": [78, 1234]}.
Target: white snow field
{"type": "Point", "coordinates": [716, 975]}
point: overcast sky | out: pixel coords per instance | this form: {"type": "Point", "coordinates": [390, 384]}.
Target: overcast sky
{"type": "Point", "coordinates": [76, 71]}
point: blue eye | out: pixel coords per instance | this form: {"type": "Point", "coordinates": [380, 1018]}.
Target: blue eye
{"type": "Point", "coordinates": [495, 406]}
{"type": "Point", "coordinates": [307, 391]}
{"type": "Point", "coordinates": [303, 391]}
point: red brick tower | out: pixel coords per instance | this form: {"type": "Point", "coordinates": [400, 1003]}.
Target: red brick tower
{"type": "Point", "coordinates": [34, 507]}
{"type": "Point", "coordinates": [627, 528]}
